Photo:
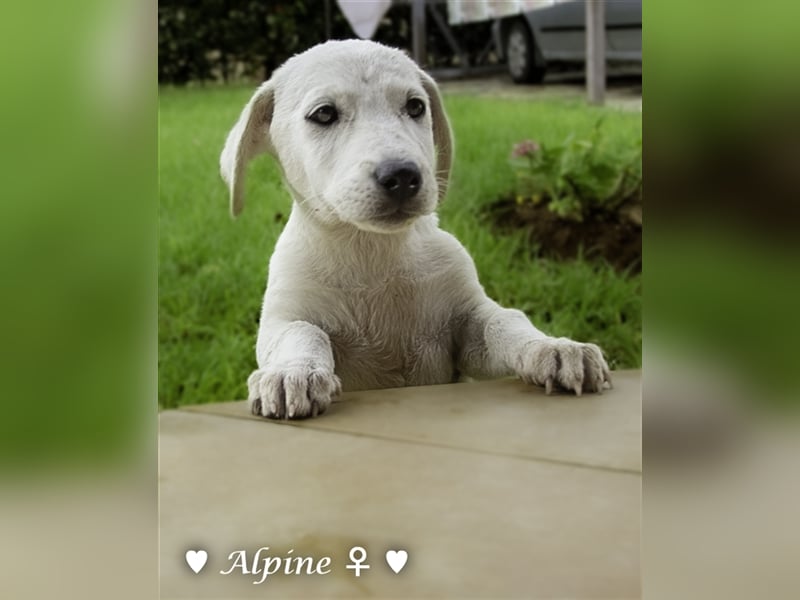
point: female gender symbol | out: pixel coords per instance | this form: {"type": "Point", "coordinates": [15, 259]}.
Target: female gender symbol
{"type": "Point", "coordinates": [362, 556]}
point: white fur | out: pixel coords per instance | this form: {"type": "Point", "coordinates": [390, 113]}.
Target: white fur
{"type": "Point", "coordinates": [355, 300]}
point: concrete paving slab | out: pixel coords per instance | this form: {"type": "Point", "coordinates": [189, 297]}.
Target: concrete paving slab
{"type": "Point", "coordinates": [504, 417]}
{"type": "Point", "coordinates": [474, 524]}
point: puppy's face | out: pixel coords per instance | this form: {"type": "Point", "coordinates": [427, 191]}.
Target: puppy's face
{"type": "Point", "coordinates": [352, 125]}
{"type": "Point", "coordinates": [354, 136]}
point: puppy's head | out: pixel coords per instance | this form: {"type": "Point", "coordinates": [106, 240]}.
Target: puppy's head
{"type": "Point", "coordinates": [359, 132]}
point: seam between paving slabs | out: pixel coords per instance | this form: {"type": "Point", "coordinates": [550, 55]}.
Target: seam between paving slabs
{"type": "Point", "coordinates": [431, 444]}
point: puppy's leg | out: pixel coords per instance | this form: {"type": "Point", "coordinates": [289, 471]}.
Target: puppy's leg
{"type": "Point", "coordinates": [295, 378]}
{"type": "Point", "coordinates": [500, 341]}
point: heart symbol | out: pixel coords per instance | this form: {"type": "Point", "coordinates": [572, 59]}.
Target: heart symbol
{"type": "Point", "coordinates": [197, 560]}
{"type": "Point", "coordinates": [397, 559]}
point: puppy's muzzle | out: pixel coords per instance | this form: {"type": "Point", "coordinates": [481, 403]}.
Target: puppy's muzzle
{"type": "Point", "coordinates": [400, 180]}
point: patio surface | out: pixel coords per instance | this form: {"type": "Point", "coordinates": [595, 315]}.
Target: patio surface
{"type": "Point", "coordinates": [493, 488]}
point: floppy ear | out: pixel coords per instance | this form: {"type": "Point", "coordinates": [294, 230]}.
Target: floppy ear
{"type": "Point", "coordinates": [248, 138]}
{"type": "Point", "coordinates": [442, 134]}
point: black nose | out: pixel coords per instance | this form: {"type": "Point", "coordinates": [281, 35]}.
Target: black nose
{"type": "Point", "coordinates": [400, 179]}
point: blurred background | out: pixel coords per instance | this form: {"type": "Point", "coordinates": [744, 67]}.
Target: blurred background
{"type": "Point", "coordinates": [720, 395]}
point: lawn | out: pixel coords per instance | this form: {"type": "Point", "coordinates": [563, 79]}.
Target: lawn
{"type": "Point", "coordinates": [212, 269]}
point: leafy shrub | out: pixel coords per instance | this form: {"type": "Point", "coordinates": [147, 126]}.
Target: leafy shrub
{"type": "Point", "coordinates": [228, 40]}
{"type": "Point", "coordinates": [578, 179]}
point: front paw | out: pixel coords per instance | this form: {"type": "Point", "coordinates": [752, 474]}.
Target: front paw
{"type": "Point", "coordinates": [293, 392]}
{"type": "Point", "coordinates": [562, 363]}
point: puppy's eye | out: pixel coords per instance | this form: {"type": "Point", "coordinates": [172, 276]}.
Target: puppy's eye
{"type": "Point", "coordinates": [415, 108]}
{"type": "Point", "coordinates": [324, 115]}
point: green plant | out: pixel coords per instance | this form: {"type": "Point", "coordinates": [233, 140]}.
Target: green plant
{"type": "Point", "coordinates": [578, 178]}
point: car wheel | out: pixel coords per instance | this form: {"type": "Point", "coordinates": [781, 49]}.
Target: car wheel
{"type": "Point", "coordinates": [521, 55]}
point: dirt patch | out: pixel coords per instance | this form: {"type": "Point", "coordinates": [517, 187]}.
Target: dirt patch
{"type": "Point", "coordinates": [616, 238]}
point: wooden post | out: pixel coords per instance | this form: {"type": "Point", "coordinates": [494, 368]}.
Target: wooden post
{"type": "Point", "coordinates": [596, 51]}
{"type": "Point", "coordinates": [418, 31]}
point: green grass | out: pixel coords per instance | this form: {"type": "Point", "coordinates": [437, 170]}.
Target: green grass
{"type": "Point", "coordinates": [212, 269]}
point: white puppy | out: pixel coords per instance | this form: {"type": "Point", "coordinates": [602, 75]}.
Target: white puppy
{"type": "Point", "coordinates": [364, 290]}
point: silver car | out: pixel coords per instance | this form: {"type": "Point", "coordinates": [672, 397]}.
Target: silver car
{"type": "Point", "coordinates": [531, 42]}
